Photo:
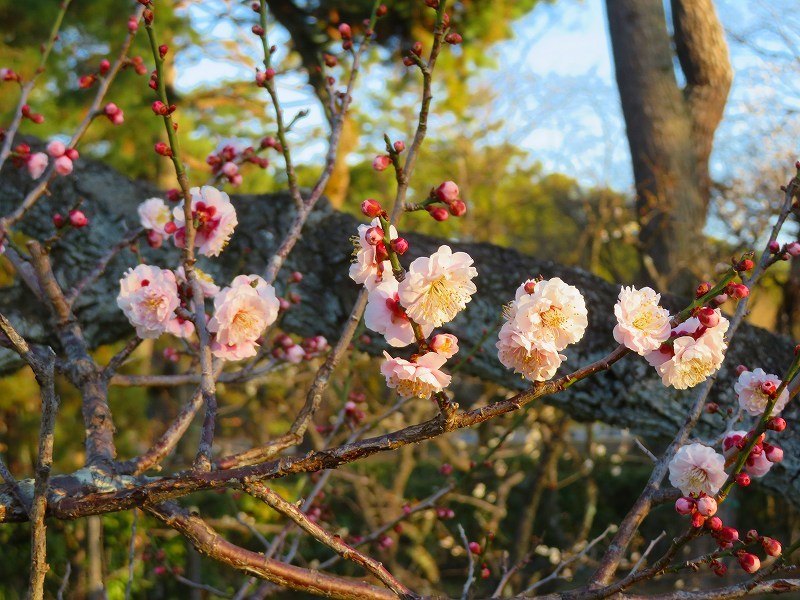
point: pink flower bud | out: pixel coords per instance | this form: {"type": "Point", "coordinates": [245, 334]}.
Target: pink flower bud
{"type": "Point", "coordinates": [530, 287]}
{"type": "Point", "coordinates": [296, 277]}
{"type": "Point", "coordinates": [793, 248]}
{"type": "Point", "coordinates": [350, 407]}
{"type": "Point", "coordinates": [707, 316]}
{"type": "Point", "coordinates": [685, 505]}
{"type": "Point", "coordinates": [771, 546]}
{"type": "Point", "coordinates": [58, 221]}
{"type": "Point", "coordinates": [104, 66]}
{"type": "Point", "coordinates": [773, 453]}
{"type": "Point", "coordinates": [371, 208]}
{"type": "Point", "coordinates": [438, 213]}
{"type": "Point", "coordinates": [229, 169]}
{"type": "Point", "coordinates": [380, 163]}
{"type": "Point", "coordinates": [56, 149]}
{"type": "Point", "coordinates": [728, 534]}
{"type": "Point", "coordinates": [154, 239]}
{"type": "Point", "coordinates": [737, 291]}
{"type": "Point", "coordinates": [111, 109]}
{"type": "Point", "coordinates": [261, 78]}
{"type": "Point", "coordinates": [159, 107]}
{"type": "Point", "coordinates": [774, 247]}
{"type": "Point", "coordinates": [741, 369]}
{"type": "Point", "coordinates": [63, 165]}
{"type": "Point", "coordinates": [751, 536]}
{"type": "Point", "coordinates": [344, 31]}
{"type": "Point", "coordinates": [77, 219]}
{"type": "Point", "coordinates": [399, 146]}
{"type": "Point", "coordinates": [447, 192]}
{"type": "Point", "coordinates": [776, 424]}
{"type": "Point", "coordinates": [745, 265]}
{"type": "Point", "coordinates": [707, 506]}
{"type": "Point", "coordinates": [133, 25]}
{"type": "Point", "coordinates": [458, 208]}
{"type": "Point", "coordinates": [720, 299]}
{"type": "Point", "coordinates": [400, 245]}
{"type": "Point", "coordinates": [453, 38]}
{"type": "Point", "coordinates": [475, 547]}
{"type": "Point", "coordinates": [697, 520]}
{"type": "Point", "coordinates": [445, 344]}
{"type": "Point", "coordinates": [163, 149]}
{"type": "Point", "coordinates": [749, 562]}
{"type": "Point", "coordinates": [742, 479]}
{"type": "Point", "coordinates": [72, 154]}
{"type": "Point", "coordinates": [374, 235]}
{"type": "Point", "coordinates": [446, 469]}
{"type": "Point", "coordinates": [769, 388]}
{"type": "Point", "coordinates": [714, 523]}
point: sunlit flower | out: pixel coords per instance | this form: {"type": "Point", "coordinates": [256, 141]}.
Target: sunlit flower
{"type": "Point", "coordinates": [384, 315]}
{"type": "Point", "coordinates": [148, 296]}
{"type": "Point", "coordinates": [694, 355]}
{"type": "Point", "coordinates": [445, 344]}
{"type": "Point", "coordinates": [216, 218]}
{"type": "Point", "coordinates": [555, 313]}
{"type": "Point", "coordinates": [521, 351]}
{"type": "Point", "coordinates": [367, 269]}
{"type": "Point", "coordinates": [421, 378]}
{"type": "Point", "coordinates": [697, 468]}
{"type": "Point", "coordinates": [438, 287]}
{"type": "Point", "coordinates": [154, 214]}
{"type": "Point", "coordinates": [642, 325]}
{"type": "Point", "coordinates": [752, 398]}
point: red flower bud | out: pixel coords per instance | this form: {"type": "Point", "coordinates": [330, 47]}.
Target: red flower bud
{"type": "Point", "coordinates": [702, 289]}
{"type": "Point", "coordinates": [458, 208]}
{"type": "Point", "coordinates": [258, 30]}
{"type": "Point", "coordinates": [475, 547]}
{"type": "Point", "coordinates": [745, 265]}
{"type": "Point", "coordinates": [371, 208]}
{"type": "Point", "coordinates": [728, 534]}
{"type": "Point", "coordinates": [447, 192]}
{"type": "Point", "coordinates": [749, 562]}
{"type": "Point", "coordinates": [163, 149]}
{"type": "Point", "coordinates": [374, 235]}
{"type": "Point", "coordinates": [708, 317]}
{"type": "Point", "coordinates": [714, 523]}
{"type": "Point", "coordinates": [774, 247]}
{"type": "Point", "coordinates": [104, 66]}
{"type": "Point", "coordinates": [776, 424]}
{"type": "Point", "coordinates": [58, 220]}
{"type": "Point", "coordinates": [697, 520]}
{"type": "Point", "coordinates": [162, 50]}
{"type": "Point", "coordinates": [771, 546]}
{"type": "Point", "coordinates": [77, 219]}
{"type": "Point", "coordinates": [382, 10]}
{"type": "Point", "coordinates": [769, 388]}
{"type": "Point", "coordinates": [743, 479]}
{"type": "Point", "coordinates": [400, 245]}
{"type": "Point", "coordinates": [718, 568]}
{"type": "Point", "coordinates": [438, 213]}
{"type": "Point", "coordinates": [344, 31]}
{"type": "Point", "coordinates": [380, 163]}
{"type": "Point", "coordinates": [773, 453]}
{"type": "Point", "coordinates": [417, 48]}
{"type": "Point", "coordinates": [453, 38]}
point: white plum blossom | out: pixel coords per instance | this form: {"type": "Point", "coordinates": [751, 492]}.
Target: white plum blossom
{"type": "Point", "coordinates": [438, 287]}
{"type": "Point", "coordinates": [415, 379]}
{"type": "Point", "coordinates": [154, 214]}
{"type": "Point", "coordinates": [697, 468]}
{"type": "Point", "coordinates": [384, 315]}
{"type": "Point", "coordinates": [533, 359]}
{"type": "Point", "coordinates": [366, 268]}
{"type": "Point", "coordinates": [241, 313]}
{"type": "Point", "coordinates": [216, 218]}
{"type": "Point", "coordinates": [554, 314]}
{"type": "Point", "coordinates": [210, 289]}
{"type": "Point", "coordinates": [751, 397]}
{"type": "Point", "coordinates": [148, 296]}
{"type": "Point", "coordinates": [695, 354]}
{"type": "Point", "coordinates": [642, 325]}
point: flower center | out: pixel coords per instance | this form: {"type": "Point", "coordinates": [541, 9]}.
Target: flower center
{"type": "Point", "coordinates": [553, 317]}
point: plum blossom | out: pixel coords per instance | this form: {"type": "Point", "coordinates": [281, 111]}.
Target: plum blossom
{"type": "Point", "coordinates": [555, 313]}
{"type": "Point", "coordinates": [756, 465]}
{"type": "Point", "coordinates": [384, 315]}
{"type": "Point", "coordinates": [154, 214]}
{"type": "Point", "coordinates": [697, 468]}
{"type": "Point", "coordinates": [642, 325]}
{"type": "Point", "coordinates": [367, 269]}
{"type": "Point", "coordinates": [241, 313]}
{"type": "Point", "coordinates": [210, 289]}
{"type": "Point", "coordinates": [36, 164]}
{"type": "Point", "coordinates": [216, 218]}
{"type": "Point", "coordinates": [533, 359]}
{"type": "Point", "coordinates": [148, 296]}
{"type": "Point", "coordinates": [415, 379]}
{"type": "Point", "coordinates": [438, 287]}
{"type": "Point", "coordinates": [445, 344]}
{"type": "Point", "coordinates": [752, 398]}
{"type": "Point", "coordinates": [696, 353]}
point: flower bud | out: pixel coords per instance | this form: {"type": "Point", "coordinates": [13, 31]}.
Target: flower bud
{"type": "Point", "coordinates": [447, 192]}
{"type": "Point", "coordinates": [63, 165]}
{"type": "Point", "coordinates": [380, 163]}
{"type": "Point", "coordinates": [708, 317]}
{"type": "Point", "coordinates": [745, 265]}
{"type": "Point", "coordinates": [345, 32]}
{"type": "Point", "coordinates": [742, 479]}
{"type": "Point", "coordinates": [154, 239]}
{"type": "Point", "coordinates": [737, 291]}
{"type": "Point", "coordinates": [707, 506]}
{"type": "Point", "coordinates": [296, 277]}
{"type": "Point", "coordinates": [382, 10]}
{"type": "Point", "coordinates": [399, 146]}
{"type": "Point", "coordinates": [445, 344]}
{"type": "Point", "coordinates": [774, 247]}
{"type": "Point", "coordinates": [438, 213]}
{"type": "Point", "coordinates": [163, 149]}
{"type": "Point", "coordinates": [475, 547]}
{"type": "Point", "coordinates": [771, 546]}
{"type": "Point", "coordinates": [162, 50]}
{"type": "Point", "coordinates": [453, 38]}
{"type": "Point", "coordinates": [400, 245]}
{"type": "Point", "coordinates": [77, 219]}
{"type": "Point", "coordinates": [685, 505]}
{"type": "Point", "coordinates": [697, 520]}
{"type": "Point", "coordinates": [741, 369]}
{"type": "Point", "coordinates": [446, 469]}
{"type": "Point", "coordinates": [793, 248]}
{"type": "Point", "coordinates": [258, 30]}
{"type": "Point", "coordinates": [718, 568]}
{"type": "Point", "coordinates": [380, 253]}
{"type": "Point", "coordinates": [773, 453]}
{"type": "Point", "coordinates": [104, 66]}
{"type": "Point", "coordinates": [702, 289]}
{"type": "Point", "coordinates": [58, 221]}
{"type": "Point", "coordinates": [133, 25]}
{"type": "Point", "coordinates": [371, 208]}
{"type": "Point", "coordinates": [749, 562]}
{"type": "Point", "coordinates": [714, 523]}
{"type": "Point", "coordinates": [769, 388]}
{"type": "Point", "coordinates": [417, 48]}
{"type": "Point", "coordinates": [776, 424]}
{"type": "Point", "coordinates": [728, 534]}
{"type": "Point", "coordinates": [458, 208]}
{"type": "Point", "coordinates": [56, 149]}
{"type": "Point", "coordinates": [374, 236]}
{"type": "Point", "coordinates": [751, 536]}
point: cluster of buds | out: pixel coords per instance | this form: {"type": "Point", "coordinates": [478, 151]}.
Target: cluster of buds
{"type": "Point", "coordinates": [35, 162]}
{"type": "Point", "coordinates": [786, 251]}
{"type": "Point", "coordinates": [162, 149]}
{"type": "Point", "coordinates": [87, 81]}
{"type": "Point", "coordinates": [444, 513]}
{"type": "Point", "coordinates": [262, 77]}
{"type": "Point", "coordinates": [448, 194]}
{"type": "Point", "coordinates": [285, 348]}
{"type": "Point", "coordinates": [161, 109]}
{"type": "Point", "coordinates": [63, 156]}
{"type": "Point", "coordinates": [734, 443]}
{"type": "Point", "coordinates": [114, 113]}
{"type": "Point", "coordinates": [352, 412]}
{"type": "Point", "coordinates": [37, 118]}
{"type": "Point", "coordinates": [271, 142]}
{"type": "Point", "coordinates": [702, 510]}
{"type": "Point", "coordinates": [161, 565]}
{"type": "Point", "coordinates": [347, 36]}
{"type": "Point", "coordinates": [137, 63]}
{"type": "Point", "coordinates": [414, 56]}
{"type": "Point", "coordinates": [75, 219]}
{"type": "Point", "coordinates": [226, 162]}
{"type": "Point", "coordinates": [153, 83]}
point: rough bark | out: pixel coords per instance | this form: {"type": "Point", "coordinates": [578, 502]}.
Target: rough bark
{"type": "Point", "coordinates": [670, 130]}
{"type": "Point", "coordinates": [628, 395]}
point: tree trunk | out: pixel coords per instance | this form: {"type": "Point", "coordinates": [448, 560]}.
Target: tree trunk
{"type": "Point", "coordinates": [670, 130]}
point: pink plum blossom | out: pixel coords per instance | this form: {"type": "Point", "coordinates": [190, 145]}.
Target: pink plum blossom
{"type": "Point", "coordinates": [445, 344]}
{"type": "Point", "coordinates": [56, 148]}
{"type": "Point", "coordinates": [148, 296]}
{"type": "Point", "coordinates": [697, 468]}
{"type": "Point", "coordinates": [36, 164]}
{"type": "Point", "coordinates": [534, 359]}
{"type": "Point", "coordinates": [63, 165]}
{"type": "Point", "coordinates": [384, 315]}
{"type": "Point", "coordinates": [438, 287]}
{"type": "Point", "coordinates": [642, 325]}
{"type": "Point", "coordinates": [695, 354]}
{"type": "Point", "coordinates": [216, 216]}
{"type": "Point", "coordinates": [415, 379]}
{"type": "Point", "coordinates": [366, 269]}
{"type": "Point", "coordinates": [554, 314]}
{"type": "Point", "coordinates": [154, 214]}
{"type": "Point", "coordinates": [751, 397]}
{"type": "Point", "coordinates": [295, 354]}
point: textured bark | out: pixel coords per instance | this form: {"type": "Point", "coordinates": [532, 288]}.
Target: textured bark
{"type": "Point", "coordinates": [670, 130]}
{"type": "Point", "coordinates": [628, 395]}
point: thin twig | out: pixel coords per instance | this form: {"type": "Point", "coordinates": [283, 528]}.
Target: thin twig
{"type": "Point", "coordinates": [132, 554]}
{"type": "Point", "coordinates": [647, 551]}
{"type": "Point", "coordinates": [470, 565]}
{"type": "Point", "coordinates": [64, 581]}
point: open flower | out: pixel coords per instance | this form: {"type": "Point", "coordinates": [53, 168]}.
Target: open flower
{"type": "Point", "coordinates": [148, 296]}
{"type": "Point", "coordinates": [384, 315]}
{"type": "Point", "coordinates": [421, 378]}
{"type": "Point", "coordinates": [751, 396]}
{"type": "Point", "coordinates": [642, 325]}
{"type": "Point", "coordinates": [532, 358]}
{"type": "Point", "coordinates": [210, 289]}
{"type": "Point", "coordinates": [370, 267]}
{"type": "Point", "coordinates": [241, 313]}
{"type": "Point", "coordinates": [697, 468]}
{"type": "Point", "coordinates": [554, 314]}
{"type": "Point", "coordinates": [445, 344]}
{"type": "Point", "coordinates": [215, 216]}
{"type": "Point", "coordinates": [695, 354]}
{"type": "Point", "coordinates": [154, 214]}
{"type": "Point", "coordinates": [438, 287]}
